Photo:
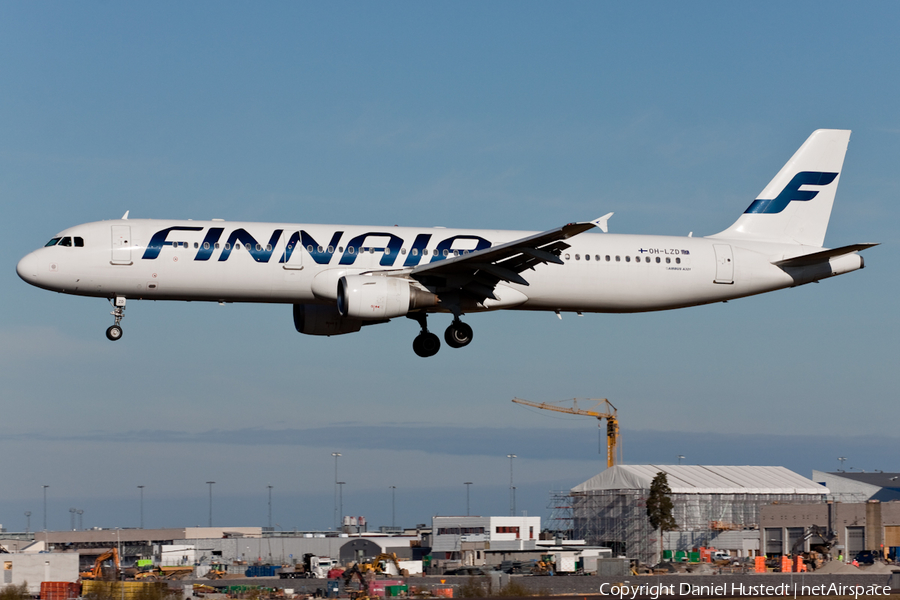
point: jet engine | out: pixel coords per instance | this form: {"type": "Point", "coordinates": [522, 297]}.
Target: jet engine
{"type": "Point", "coordinates": [377, 297]}
{"type": "Point", "coordinates": [318, 319]}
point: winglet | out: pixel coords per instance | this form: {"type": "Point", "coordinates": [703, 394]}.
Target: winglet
{"type": "Point", "coordinates": [125, 216]}
{"type": "Point", "coordinates": [602, 222]}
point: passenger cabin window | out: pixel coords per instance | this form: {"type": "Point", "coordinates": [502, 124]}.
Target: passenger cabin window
{"type": "Point", "coordinates": [52, 242]}
{"type": "Point", "coordinates": [627, 259]}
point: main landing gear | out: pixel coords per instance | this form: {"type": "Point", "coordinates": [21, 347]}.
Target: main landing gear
{"type": "Point", "coordinates": [458, 334]}
{"type": "Point", "coordinates": [114, 333]}
{"type": "Point", "coordinates": [426, 344]}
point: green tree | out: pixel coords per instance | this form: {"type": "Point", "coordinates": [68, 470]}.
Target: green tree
{"type": "Point", "coordinates": [15, 592]}
{"type": "Point", "coordinates": [659, 507]}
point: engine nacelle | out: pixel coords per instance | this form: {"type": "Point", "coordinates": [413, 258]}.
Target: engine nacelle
{"type": "Point", "coordinates": [318, 319]}
{"type": "Point", "coordinates": [377, 297]}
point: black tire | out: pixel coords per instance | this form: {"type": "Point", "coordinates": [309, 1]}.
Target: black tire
{"type": "Point", "coordinates": [114, 333]}
{"type": "Point", "coordinates": [426, 344]}
{"type": "Point", "coordinates": [458, 334]}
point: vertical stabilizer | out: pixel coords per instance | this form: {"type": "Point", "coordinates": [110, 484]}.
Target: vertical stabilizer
{"type": "Point", "coordinates": [796, 205]}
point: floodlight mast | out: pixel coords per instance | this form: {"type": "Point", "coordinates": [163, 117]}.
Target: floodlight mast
{"type": "Point", "coordinates": [612, 421]}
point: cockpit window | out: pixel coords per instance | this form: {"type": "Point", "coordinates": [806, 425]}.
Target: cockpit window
{"type": "Point", "coordinates": [79, 242]}
{"type": "Point", "coordinates": [66, 241]}
{"type": "Point", "coordinates": [52, 242]}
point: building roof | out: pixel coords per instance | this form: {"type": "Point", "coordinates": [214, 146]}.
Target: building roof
{"type": "Point", "coordinates": [885, 480]}
{"type": "Point", "coordinates": [850, 486]}
{"type": "Point", "coordinates": [699, 479]}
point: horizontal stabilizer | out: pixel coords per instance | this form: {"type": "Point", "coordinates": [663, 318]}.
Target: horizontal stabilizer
{"type": "Point", "coordinates": [818, 257]}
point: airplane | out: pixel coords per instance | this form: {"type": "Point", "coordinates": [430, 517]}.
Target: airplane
{"type": "Point", "coordinates": [341, 277]}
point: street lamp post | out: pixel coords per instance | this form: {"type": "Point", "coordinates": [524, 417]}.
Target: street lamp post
{"type": "Point", "coordinates": [45, 506]}
{"type": "Point", "coordinates": [270, 506]}
{"type": "Point", "coordinates": [841, 460]}
{"type": "Point", "coordinates": [393, 513]}
{"type": "Point", "coordinates": [340, 485]}
{"type": "Point", "coordinates": [27, 521]}
{"type": "Point", "coordinates": [140, 487]}
{"type": "Point", "coordinates": [680, 458]}
{"type": "Point", "coordinates": [337, 522]}
{"type": "Point", "coordinates": [467, 484]}
{"type": "Point", "coordinates": [210, 484]}
{"type": "Point", "coordinates": [512, 492]}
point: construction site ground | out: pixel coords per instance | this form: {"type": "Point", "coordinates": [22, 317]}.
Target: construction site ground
{"type": "Point", "coordinates": [589, 585]}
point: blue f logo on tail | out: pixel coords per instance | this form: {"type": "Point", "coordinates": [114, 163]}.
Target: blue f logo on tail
{"type": "Point", "coordinates": [792, 192]}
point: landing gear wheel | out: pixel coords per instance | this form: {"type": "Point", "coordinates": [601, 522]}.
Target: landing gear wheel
{"type": "Point", "coordinates": [115, 332]}
{"type": "Point", "coordinates": [458, 334]}
{"type": "Point", "coordinates": [426, 344]}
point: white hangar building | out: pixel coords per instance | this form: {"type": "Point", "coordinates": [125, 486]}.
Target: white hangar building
{"type": "Point", "coordinates": [710, 503]}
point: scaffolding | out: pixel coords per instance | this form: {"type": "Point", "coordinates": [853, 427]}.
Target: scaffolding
{"type": "Point", "coordinates": [560, 521]}
{"type": "Point", "coordinates": [618, 519]}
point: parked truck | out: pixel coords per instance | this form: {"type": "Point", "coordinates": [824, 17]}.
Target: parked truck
{"type": "Point", "coordinates": [313, 567]}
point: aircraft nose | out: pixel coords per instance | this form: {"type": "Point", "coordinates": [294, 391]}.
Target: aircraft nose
{"type": "Point", "coordinates": [28, 269]}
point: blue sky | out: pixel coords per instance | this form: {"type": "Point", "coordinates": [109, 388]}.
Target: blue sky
{"type": "Point", "coordinates": [519, 115]}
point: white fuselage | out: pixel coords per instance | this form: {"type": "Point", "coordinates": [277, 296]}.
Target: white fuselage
{"type": "Point", "coordinates": [300, 264]}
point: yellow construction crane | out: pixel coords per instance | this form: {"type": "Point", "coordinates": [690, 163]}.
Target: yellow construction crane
{"type": "Point", "coordinates": [612, 422]}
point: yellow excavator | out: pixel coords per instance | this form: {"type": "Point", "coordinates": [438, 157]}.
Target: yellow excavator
{"type": "Point", "coordinates": [97, 571]}
{"type": "Point", "coordinates": [380, 562]}
{"type": "Point", "coordinates": [364, 572]}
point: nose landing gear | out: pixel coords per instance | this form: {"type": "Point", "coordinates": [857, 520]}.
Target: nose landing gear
{"type": "Point", "coordinates": [114, 332]}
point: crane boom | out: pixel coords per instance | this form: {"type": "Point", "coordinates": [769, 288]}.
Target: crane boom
{"type": "Point", "coordinates": [612, 421]}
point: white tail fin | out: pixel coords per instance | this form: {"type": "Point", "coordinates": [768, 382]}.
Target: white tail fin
{"type": "Point", "coordinates": [796, 205]}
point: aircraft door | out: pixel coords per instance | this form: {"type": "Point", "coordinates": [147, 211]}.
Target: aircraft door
{"type": "Point", "coordinates": [724, 264]}
{"type": "Point", "coordinates": [292, 256]}
{"type": "Point", "coordinates": [121, 245]}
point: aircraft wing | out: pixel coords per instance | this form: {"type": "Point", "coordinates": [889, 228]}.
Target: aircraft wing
{"type": "Point", "coordinates": [478, 273]}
